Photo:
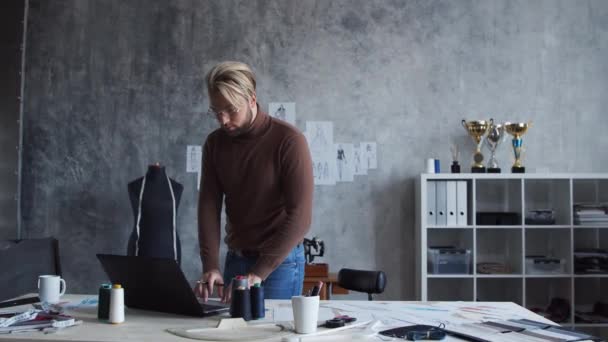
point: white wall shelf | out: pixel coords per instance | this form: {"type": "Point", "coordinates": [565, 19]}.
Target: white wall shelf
{"type": "Point", "coordinates": [547, 227]}
{"type": "Point", "coordinates": [509, 244]}
{"type": "Point", "coordinates": [450, 227]}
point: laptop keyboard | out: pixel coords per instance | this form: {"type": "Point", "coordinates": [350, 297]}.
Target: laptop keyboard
{"type": "Point", "coordinates": [211, 304]}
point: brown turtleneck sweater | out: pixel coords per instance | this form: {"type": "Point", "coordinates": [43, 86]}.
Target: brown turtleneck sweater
{"type": "Point", "coordinates": [266, 177]}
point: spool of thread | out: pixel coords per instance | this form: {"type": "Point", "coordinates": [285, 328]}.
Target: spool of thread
{"type": "Point", "coordinates": [103, 305]}
{"type": "Point", "coordinates": [237, 282]}
{"type": "Point", "coordinates": [117, 304]}
{"type": "Point", "coordinates": [240, 281]}
{"type": "Point", "coordinates": [241, 303]}
{"type": "Point", "coordinates": [258, 310]}
{"type": "Point", "coordinates": [430, 165]}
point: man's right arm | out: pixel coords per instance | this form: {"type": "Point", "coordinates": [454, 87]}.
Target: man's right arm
{"type": "Point", "coordinates": [209, 211]}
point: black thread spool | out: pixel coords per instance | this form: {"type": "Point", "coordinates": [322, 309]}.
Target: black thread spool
{"type": "Point", "coordinates": [237, 282]}
{"type": "Point", "coordinates": [258, 310]}
{"type": "Point", "coordinates": [241, 303]}
{"type": "Point", "coordinates": [103, 304]}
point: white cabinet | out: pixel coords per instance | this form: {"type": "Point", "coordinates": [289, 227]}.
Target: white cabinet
{"type": "Point", "coordinates": [522, 234]}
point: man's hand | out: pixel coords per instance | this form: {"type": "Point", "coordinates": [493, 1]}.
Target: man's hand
{"type": "Point", "coordinates": [209, 280]}
{"type": "Point", "coordinates": [252, 279]}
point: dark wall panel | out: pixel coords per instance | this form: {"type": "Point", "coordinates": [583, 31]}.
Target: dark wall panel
{"type": "Point", "coordinates": [11, 37]}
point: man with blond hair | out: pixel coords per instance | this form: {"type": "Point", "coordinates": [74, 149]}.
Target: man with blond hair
{"type": "Point", "coordinates": [261, 168]}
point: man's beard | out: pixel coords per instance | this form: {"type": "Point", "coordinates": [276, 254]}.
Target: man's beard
{"type": "Point", "coordinates": [244, 128]}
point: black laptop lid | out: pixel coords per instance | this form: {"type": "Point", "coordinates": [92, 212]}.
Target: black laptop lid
{"type": "Point", "coordinates": [152, 284]}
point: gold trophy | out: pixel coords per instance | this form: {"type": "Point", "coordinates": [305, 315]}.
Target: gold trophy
{"type": "Point", "coordinates": [477, 129]}
{"type": "Point", "coordinates": [517, 130]}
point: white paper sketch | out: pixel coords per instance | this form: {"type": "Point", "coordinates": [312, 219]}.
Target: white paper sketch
{"type": "Point", "coordinates": [323, 162]}
{"type": "Point", "coordinates": [194, 155]}
{"type": "Point", "coordinates": [193, 158]}
{"type": "Point", "coordinates": [360, 168]}
{"type": "Point", "coordinates": [369, 153]}
{"type": "Point", "coordinates": [345, 166]}
{"type": "Point", "coordinates": [285, 111]}
{"type": "Point", "coordinates": [321, 135]}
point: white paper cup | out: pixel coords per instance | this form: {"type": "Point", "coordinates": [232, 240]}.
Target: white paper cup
{"type": "Point", "coordinates": [305, 313]}
{"type": "Point", "coordinates": [49, 288]}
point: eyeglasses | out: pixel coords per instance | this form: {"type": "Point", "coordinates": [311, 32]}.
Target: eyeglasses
{"type": "Point", "coordinates": [230, 111]}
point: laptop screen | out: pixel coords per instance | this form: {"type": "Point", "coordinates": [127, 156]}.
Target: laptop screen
{"type": "Point", "coordinates": [155, 284]}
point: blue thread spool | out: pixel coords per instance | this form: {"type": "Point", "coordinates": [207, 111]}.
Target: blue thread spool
{"type": "Point", "coordinates": [258, 310]}
{"type": "Point", "coordinates": [103, 306]}
{"type": "Point", "coordinates": [241, 304]}
{"type": "Point", "coordinates": [241, 300]}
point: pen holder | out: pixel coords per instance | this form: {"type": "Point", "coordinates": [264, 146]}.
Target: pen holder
{"type": "Point", "coordinates": [305, 313]}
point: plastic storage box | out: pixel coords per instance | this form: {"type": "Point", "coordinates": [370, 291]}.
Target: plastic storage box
{"type": "Point", "coordinates": [538, 264]}
{"type": "Point", "coordinates": [449, 260]}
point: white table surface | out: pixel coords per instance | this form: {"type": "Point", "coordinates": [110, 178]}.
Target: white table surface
{"type": "Point", "coordinates": [141, 325]}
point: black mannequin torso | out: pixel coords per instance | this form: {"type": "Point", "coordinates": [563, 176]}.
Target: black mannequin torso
{"type": "Point", "coordinates": [156, 224]}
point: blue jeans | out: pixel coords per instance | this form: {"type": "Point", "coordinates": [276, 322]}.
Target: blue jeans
{"type": "Point", "coordinates": [283, 283]}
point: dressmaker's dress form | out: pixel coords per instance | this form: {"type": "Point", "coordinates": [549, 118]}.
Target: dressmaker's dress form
{"type": "Point", "coordinates": [154, 199]}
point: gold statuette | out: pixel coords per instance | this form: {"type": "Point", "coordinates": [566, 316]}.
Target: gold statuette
{"type": "Point", "coordinates": [477, 129]}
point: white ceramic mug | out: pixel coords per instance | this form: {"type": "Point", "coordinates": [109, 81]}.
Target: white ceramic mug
{"type": "Point", "coordinates": [49, 288]}
{"type": "Point", "coordinates": [305, 313]}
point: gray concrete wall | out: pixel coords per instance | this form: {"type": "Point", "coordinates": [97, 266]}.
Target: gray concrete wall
{"type": "Point", "coordinates": [11, 36]}
{"type": "Point", "coordinates": [115, 85]}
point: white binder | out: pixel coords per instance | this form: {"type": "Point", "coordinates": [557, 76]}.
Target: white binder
{"type": "Point", "coordinates": [431, 216]}
{"type": "Point", "coordinates": [461, 203]}
{"type": "Point", "coordinates": [441, 203]}
{"type": "Point", "coordinates": [451, 210]}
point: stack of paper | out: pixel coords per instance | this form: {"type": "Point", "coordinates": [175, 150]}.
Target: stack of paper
{"type": "Point", "coordinates": [515, 330]}
{"type": "Point", "coordinates": [590, 214]}
{"type": "Point", "coordinates": [34, 320]}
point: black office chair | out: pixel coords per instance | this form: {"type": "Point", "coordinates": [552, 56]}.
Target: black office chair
{"type": "Point", "coordinates": [362, 281]}
{"type": "Point", "coordinates": [22, 261]}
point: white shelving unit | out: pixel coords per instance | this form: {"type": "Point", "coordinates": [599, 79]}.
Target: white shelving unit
{"type": "Point", "coordinates": [509, 244]}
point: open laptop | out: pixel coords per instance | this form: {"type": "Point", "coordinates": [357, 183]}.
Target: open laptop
{"type": "Point", "coordinates": [156, 284]}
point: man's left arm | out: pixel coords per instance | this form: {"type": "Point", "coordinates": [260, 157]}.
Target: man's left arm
{"type": "Point", "coordinates": [297, 185]}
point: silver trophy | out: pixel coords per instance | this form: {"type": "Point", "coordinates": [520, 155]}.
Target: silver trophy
{"type": "Point", "coordinates": [495, 136]}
